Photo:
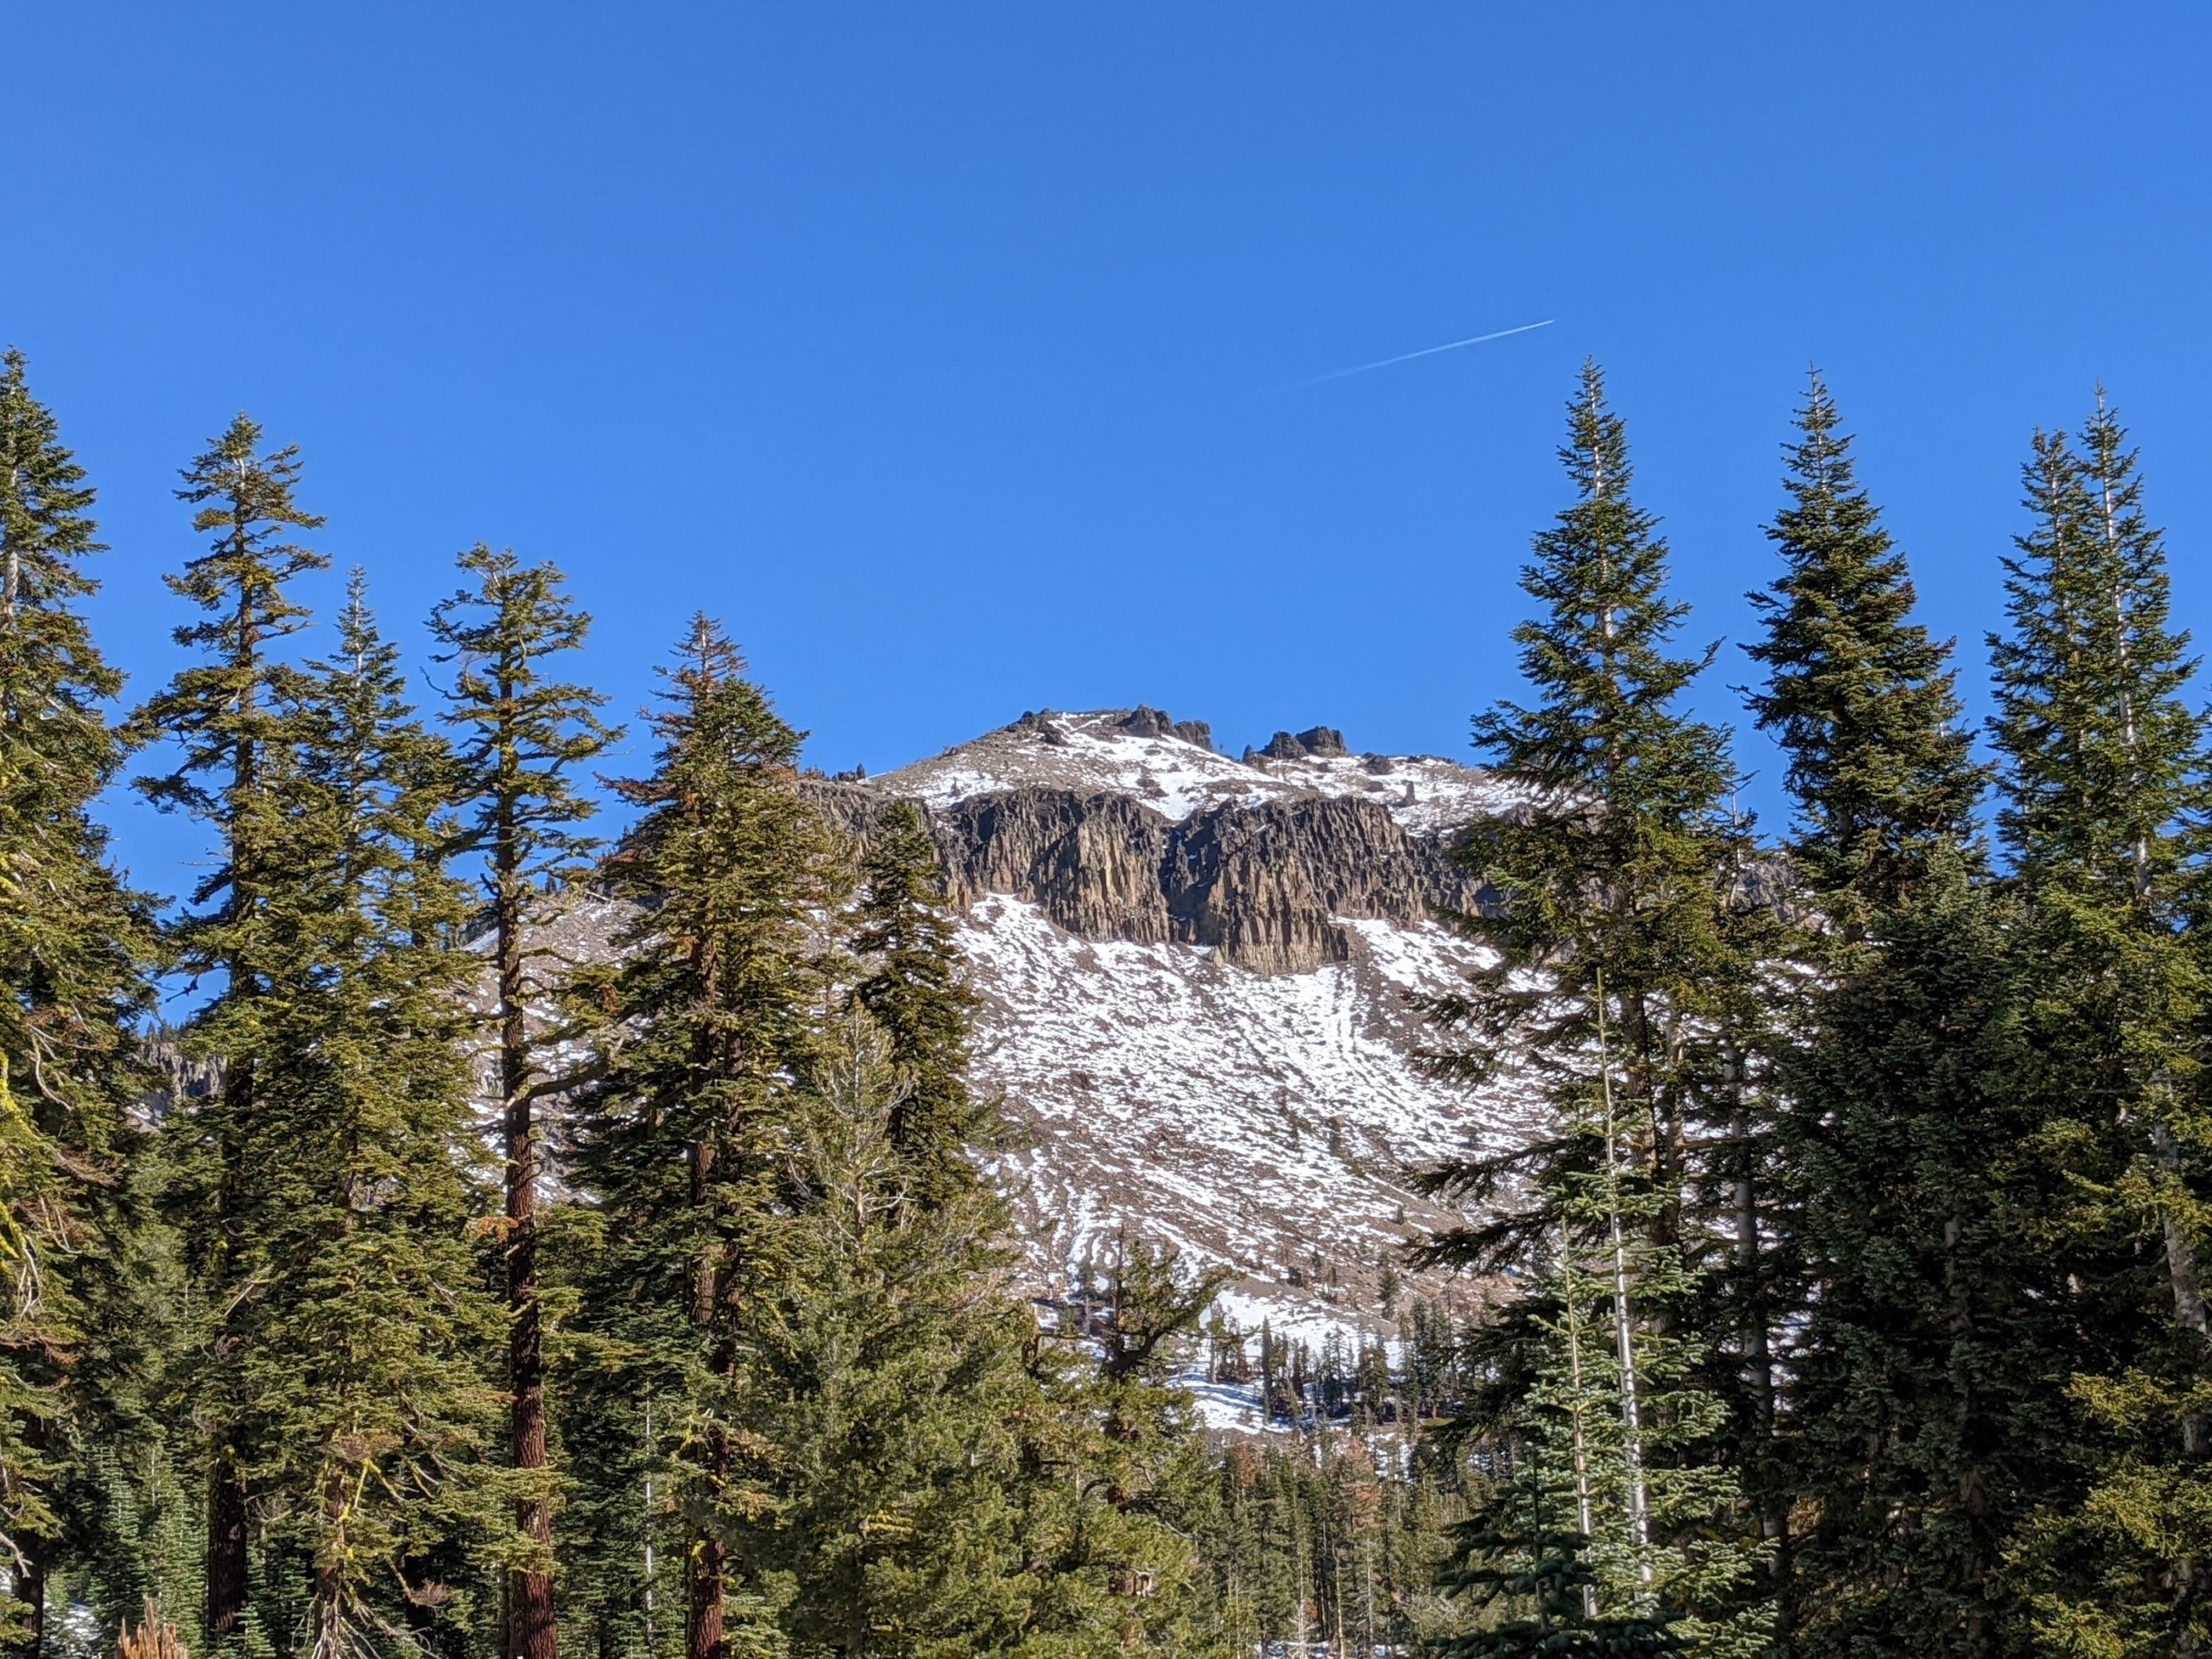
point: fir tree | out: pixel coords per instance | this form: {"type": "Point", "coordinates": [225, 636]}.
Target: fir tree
{"type": "Point", "coordinates": [2106, 793]}
{"type": "Point", "coordinates": [1863, 704]}
{"type": "Point", "coordinates": [687, 1138]}
{"type": "Point", "coordinates": [365, 1416]}
{"type": "Point", "coordinates": [524, 734]}
{"type": "Point", "coordinates": [912, 989]}
{"type": "Point", "coordinates": [886, 1370]}
{"type": "Point", "coordinates": [231, 718]}
{"type": "Point", "coordinates": [1861, 699]}
{"type": "Point", "coordinates": [1923, 1411]}
{"type": "Point", "coordinates": [1627, 939]}
{"type": "Point", "coordinates": [73, 944]}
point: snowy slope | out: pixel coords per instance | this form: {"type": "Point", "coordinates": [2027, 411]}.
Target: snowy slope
{"type": "Point", "coordinates": [1263, 1121]}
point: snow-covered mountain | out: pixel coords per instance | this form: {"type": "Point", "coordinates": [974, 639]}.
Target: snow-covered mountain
{"type": "Point", "coordinates": [1197, 974]}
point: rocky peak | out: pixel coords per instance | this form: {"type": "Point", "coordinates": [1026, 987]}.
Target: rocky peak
{"type": "Point", "coordinates": [1125, 825]}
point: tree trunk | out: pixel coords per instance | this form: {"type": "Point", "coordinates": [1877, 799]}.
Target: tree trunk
{"type": "Point", "coordinates": [225, 1550]}
{"type": "Point", "coordinates": [531, 1633]}
{"type": "Point", "coordinates": [31, 1591]}
{"type": "Point", "coordinates": [703, 1565]}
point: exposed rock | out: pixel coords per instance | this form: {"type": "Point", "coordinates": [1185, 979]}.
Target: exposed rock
{"type": "Point", "coordinates": [1091, 862]}
{"type": "Point", "coordinates": [1262, 885]}
{"type": "Point", "coordinates": [1315, 743]}
{"type": "Point", "coordinates": [1264, 880]}
{"type": "Point", "coordinates": [1197, 732]}
{"type": "Point", "coordinates": [1142, 722]}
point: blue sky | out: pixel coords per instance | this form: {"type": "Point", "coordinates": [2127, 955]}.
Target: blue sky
{"type": "Point", "coordinates": [941, 351]}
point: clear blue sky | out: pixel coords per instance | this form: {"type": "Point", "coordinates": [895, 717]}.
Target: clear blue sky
{"type": "Point", "coordinates": [940, 350]}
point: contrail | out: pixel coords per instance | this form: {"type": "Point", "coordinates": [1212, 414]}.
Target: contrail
{"type": "Point", "coordinates": [1427, 351]}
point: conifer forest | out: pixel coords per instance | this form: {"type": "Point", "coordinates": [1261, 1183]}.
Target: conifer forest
{"type": "Point", "coordinates": [383, 1278]}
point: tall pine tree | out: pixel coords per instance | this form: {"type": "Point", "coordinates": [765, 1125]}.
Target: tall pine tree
{"type": "Point", "coordinates": [1864, 705]}
{"type": "Point", "coordinates": [2107, 789]}
{"type": "Point", "coordinates": [689, 1138]}
{"type": "Point", "coordinates": [524, 734]}
{"type": "Point", "coordinates": [1627, 936]}
{"type": "Point", "coordinates": [73, 946]}
{"type": "Point", "coordinates": [366, 1414]}
{"type": "Point", "coordinates": [230, 719]}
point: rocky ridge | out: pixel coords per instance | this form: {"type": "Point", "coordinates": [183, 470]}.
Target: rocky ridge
{"type": "Point", "coordinates": [1123, 824]}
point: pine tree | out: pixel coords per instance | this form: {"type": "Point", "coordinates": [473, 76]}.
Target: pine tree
{"type": "Point", "coordinates": [1627, 936]}
{"type": "Point", "coordinates": [687, 1138]}
{"type": "Point", "coordinates": [886, 1371]}
{"type": "Point", "coordinates": [1863, 705]}
{"type": "Point", "coordinates": [230, 719]}
{"type": "Point", "coordinates": [366, 1417]}
{"type": "Point", "coordinates": [72, 945]}
{"type": "Point", "coordinates": [524, 735]}
{"type": "Point", "coordinates": [1922, 1404]}
{"type": "Point", "coordinates": [913, 991]}
{"type": "Point", "coordinates": [2107, 795]}
{"type": "Point", "coordinates": [1861, 699]}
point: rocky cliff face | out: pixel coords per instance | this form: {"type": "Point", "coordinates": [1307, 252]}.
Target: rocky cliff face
{"type": "Point", "coordinates": [1266, 880]}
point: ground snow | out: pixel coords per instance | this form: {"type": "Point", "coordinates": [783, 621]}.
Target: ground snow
{"type": "Point", "coordinates": [1263, 1121]}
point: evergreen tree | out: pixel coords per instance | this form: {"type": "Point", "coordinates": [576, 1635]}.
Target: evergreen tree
{"type": "Point", "coordinates": [232, 718]}
{"type": "Point", "coordinates": [1863, 705]}
{"type": "Point", "coordinates": [911, 989]}
{"type": "Point", "coordinates": [365, 1417]}
{"type": "Point", "coordinates": [1862, 702]}
{"type": "Point", "coordinates": [1923, 1412]}
{"type": "Point", "coordinates": [886, 1371]}
{"type": "Point", "coordinates": [687, 1138]}
{"type": "Point", "coordinates": [2106, 793]}
{"type": "Point", "coordinates": [1626, 937]}
{"type": "Point", "coordinates": [72, 945]}
{"type": "Point", "coordinates": [524, 734]}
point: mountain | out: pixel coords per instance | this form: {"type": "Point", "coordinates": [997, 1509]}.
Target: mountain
{"type": "Point", "coordinates": [1198, 975]}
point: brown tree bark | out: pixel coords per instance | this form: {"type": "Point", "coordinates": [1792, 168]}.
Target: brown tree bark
{"type": "Point", "coordinates": [225, 1550]}
{"type": "Point", "coordinates": [531, 1633]}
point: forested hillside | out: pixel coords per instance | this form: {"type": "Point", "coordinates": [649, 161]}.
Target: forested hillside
{"type": "Point", "coordinates": [737, 1212]}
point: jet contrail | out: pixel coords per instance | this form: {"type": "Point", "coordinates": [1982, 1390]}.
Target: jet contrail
{"type": "Point", "coordinates": [1427, 351]}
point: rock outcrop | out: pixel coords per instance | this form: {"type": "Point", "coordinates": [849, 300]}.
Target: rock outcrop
{"type": "Point", "coordinates": [1262, 885]}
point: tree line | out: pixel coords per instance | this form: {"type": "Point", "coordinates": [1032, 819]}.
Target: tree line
{"type": "Point", "coordinates": [1850, 1302]}
{"type": "Point", "coordinates": [301, 1356]}
{"type": "Point", "coordinates": [1861, 1303]}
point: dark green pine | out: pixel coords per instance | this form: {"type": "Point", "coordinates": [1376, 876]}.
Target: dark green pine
{"type": "Point", "coordinates": [708, 1028]}
{"type": "Point", "coordinates": [1924, 1425]}
{"type": "Point", "coordinates": [74, 946]}
{"type": "Point", "coordinates": [912, 987]}
{"type": "Point", "coordinates": [231, 718]}
{"type": "Point", "coordinates": [1862, 702]}
{"type": "Point", "coordinates": [525, 734]}
{"type": "Point", "coordinates": [1625, 891]}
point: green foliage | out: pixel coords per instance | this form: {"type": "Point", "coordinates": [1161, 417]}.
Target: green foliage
{"type": "Point", "coordinates": [911, 989]}
{"type": "Point", "coordinates": [2107, 789]}
{"type": "Point", "coordinates": [524, 734]}
{"type": "Point", "coordinates": [689, 1136]}
{"type": "Point", "coordinates": [363, 1406]}
{"type": "Point", "coordinates": [1858, 697]}
{"type": "Point", "coordinates": [1625, 938]}
{"type": "Point", "coordinates": [74, 946]}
